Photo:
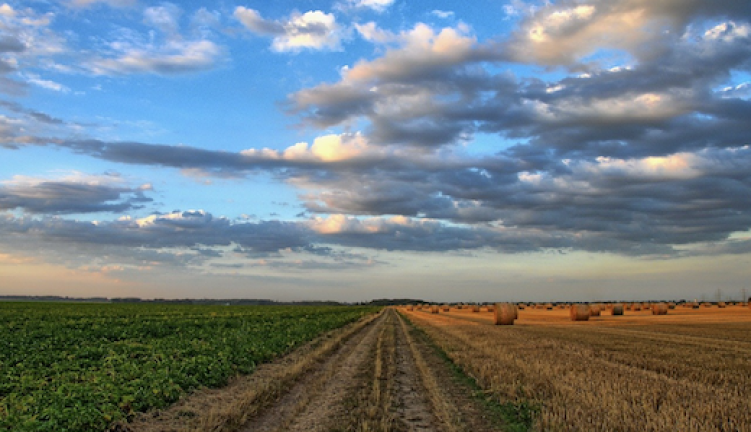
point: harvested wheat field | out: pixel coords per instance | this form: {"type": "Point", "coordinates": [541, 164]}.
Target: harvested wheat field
{"type": "Point", "coordinates": [688, 370]}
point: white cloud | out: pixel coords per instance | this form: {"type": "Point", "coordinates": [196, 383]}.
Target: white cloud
{"type": "Point", "coordinates": [442, 14]}
{"type": "Point", "coordinates": [327, 148]}
{"type": "Point", "coordinates": [728, 31]}
{"type": "Point", "coordinates": [176, 56]}
{"type": "Point", "coordinates": [375, 5]}
{"type": "Point", "coordinates": [45, 84]}
{"type": "Point", "coordinates": [87, 3]}
{"type": "Point", "coordinates": [371, 33]}
{"type": "Point", "coordinates": [164, 17]}
{"type": "Point", "coordinates": [422, 48]}
{"type": "Point", "coordinates": [312, 30]}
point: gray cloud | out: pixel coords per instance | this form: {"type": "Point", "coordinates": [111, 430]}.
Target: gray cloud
{"type": "Point", "coordinates": [67, 197]}
{"type": "Point", "coordinates": [649, 158]}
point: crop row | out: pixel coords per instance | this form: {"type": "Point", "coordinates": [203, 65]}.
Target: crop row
{"type": "Point", "coordinates": [81, 367]}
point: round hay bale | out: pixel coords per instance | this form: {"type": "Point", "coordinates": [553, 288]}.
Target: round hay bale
{"type": "Point", "coordinates": [491, 308]}
{"type": "Point", "coordinates": [522, 306]}
{"type": "Point", "coordinates": [579, 312]}
{"type": "Point", "coordinates": [659, 309]}
{"type": "Point", "coordinates": [475, 308]}
{"type": "Point", "coordinates": [594, 310]}
{"type": "Point", "coordinates": [636, 307]}
{"type": "Point", "coordinates": [504, 314]}
{"type": "Point", "coordinates": [410, 308]}
{"type": "Point", "coordinates": [549, 306]}
{"type": "Point", "coordinates": [721, 305]}
{"type": "Point", "coordinates": [617, 309]}
{"type": "Point", "coordinates": [434, 309]}
{"type": "Point", "coordinates": [671, 305]}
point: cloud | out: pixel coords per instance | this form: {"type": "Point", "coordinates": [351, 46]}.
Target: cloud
{"type": "Point", "coordinates": [74, 194]}
{"type": "Point", "coordinates": [89, 3]}
{"type": "Point", "coordinates": [172, 58]}
{"type": "Point", "coordinates": [167, 52]}
{"type": "Point", "coordinates": [314, 30]}
{"type": "Point", "coordinates": [566, 32]}
{"type": "Point", "coordinates": [165, 18]}
{"type": "Point", "coordinates": [327, 148]}
{"type": "Point", "coordinates": [442, 14]}
{"type": "Point", "coordinates": [46, 84]}
{"type": "Point", "coordinates": [378, 6]}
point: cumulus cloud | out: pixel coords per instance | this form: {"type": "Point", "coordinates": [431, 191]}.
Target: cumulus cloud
{"type": "Point", "coordinates": [646, 157]}
{"type": "Point", "coordinates": [564, 33]}
{"type": "Point", "coordinates": [314, 30]}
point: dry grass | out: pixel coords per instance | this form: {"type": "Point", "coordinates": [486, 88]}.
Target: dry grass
{"type": "Point", "coordinates": [685, 371]}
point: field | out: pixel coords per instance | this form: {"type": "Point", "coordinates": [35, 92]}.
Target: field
{"type": "Point", "coordinates": [688, 370]}
{"type": "Point", "coordinates": [83, 367]}
{"type": "Point", "coordinates": [94, 367]}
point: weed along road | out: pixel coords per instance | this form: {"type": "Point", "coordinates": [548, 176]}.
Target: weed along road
{"type": "Point", "coordinates": [379, 374]}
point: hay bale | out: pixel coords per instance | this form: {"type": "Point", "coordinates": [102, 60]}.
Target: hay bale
{"type": "Point", "coordinates": [491, 308]}
{"type": "Point", "coordinates": [549, 306]}
{"type": "Point", "coordinates": [721, 305]}
{"type": "Point", "coordinates": [579, 312]}
{"type": "Point", "coordinates": [505, 314]}
{"type": "Point", "coordinates": [636, 307]}
{"type": "Point", "coordinates": [594, 310]}
{"type": "Point", "coordinates": [410, 308]}
{"type": "Point", "coordinates": [475, 308]}
{"type": "Point", "coordinates": [660, 309]}
{"type": "Point", "coordinates": [434, 309]}
{"type": "Point", "coordinates": [671, 305]}
{"type": "Point", "coordinates": [617, 309]}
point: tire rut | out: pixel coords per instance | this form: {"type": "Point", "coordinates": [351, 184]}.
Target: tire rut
{"type": "Point", "coordinates": [327, 385]}
{"type": "Point", "coordinates": [386, 377]}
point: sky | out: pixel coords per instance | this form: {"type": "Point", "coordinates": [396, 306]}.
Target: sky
{"type": "Point", "coordinates": [358, 149]}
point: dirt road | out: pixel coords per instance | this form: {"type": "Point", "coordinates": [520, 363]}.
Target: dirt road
{"type": "Point", "coordinates": [378, 375]}
{"type": "Point", "coordinates": [384, 378]}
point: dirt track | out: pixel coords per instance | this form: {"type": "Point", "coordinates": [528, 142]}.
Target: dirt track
{"type": "Point", "coordinates": [378, 375]}
{"type": "Point", "coordinates": [383, 378]}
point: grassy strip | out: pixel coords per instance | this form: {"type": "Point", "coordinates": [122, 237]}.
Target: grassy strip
{"type": "Point", "coordinates": [516, 416]}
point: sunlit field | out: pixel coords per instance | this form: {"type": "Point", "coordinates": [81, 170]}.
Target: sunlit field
{"type": "Point", "coordinates": [687, 370]}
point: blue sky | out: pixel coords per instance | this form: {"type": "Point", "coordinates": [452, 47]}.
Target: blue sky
{"type": "Point", "coordinates": [357, 149]}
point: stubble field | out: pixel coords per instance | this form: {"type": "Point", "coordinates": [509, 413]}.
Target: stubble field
{"type": "Point", "coordinates": [688, 370]}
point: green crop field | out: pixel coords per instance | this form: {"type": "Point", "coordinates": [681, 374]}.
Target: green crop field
{"type": "Point", "coordinates": [80, 367]}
